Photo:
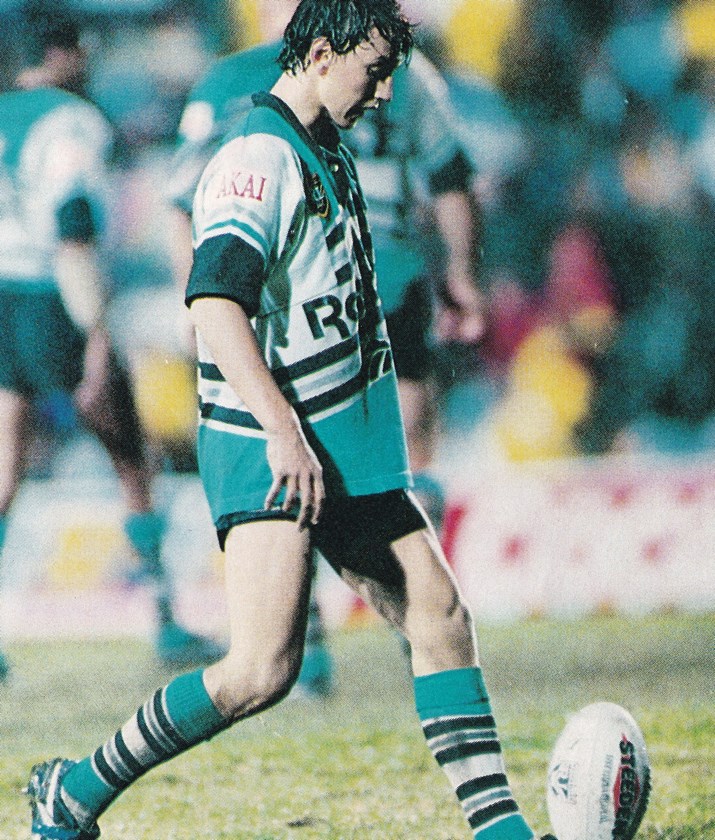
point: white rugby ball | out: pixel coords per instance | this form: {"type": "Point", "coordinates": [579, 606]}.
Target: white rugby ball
{"type": "Point", "coordinates": [599, 776]}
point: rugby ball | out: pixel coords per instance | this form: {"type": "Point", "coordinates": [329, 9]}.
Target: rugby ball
{"type": "Point", "coordinates": [599, 777]}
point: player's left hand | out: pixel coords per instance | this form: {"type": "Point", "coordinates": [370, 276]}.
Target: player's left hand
{"type": "Point", "coordinates": [295, 469]}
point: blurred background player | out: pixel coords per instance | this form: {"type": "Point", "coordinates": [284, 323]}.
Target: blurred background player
{"type": "Point", "coordinates": [53, 338]}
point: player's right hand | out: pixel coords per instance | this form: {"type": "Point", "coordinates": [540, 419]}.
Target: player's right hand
{"type": "Point", "coordinates": [295, 469]}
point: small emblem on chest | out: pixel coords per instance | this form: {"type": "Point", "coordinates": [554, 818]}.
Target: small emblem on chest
{"type": "Point", "coordinates": [318, 198]}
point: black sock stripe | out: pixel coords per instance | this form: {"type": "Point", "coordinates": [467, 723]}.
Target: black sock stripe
{"type": "Point", "coordinates": [132, 764]}
{"type": "Point", "coordinates": [499, 809]}
{"type": "Point", "coordinates": [152, 742]}
{"type": "Point", "coordinates": [444, 726]}
{"type": "Point", "coordinates": [108, 775]}
{"type": "Point", "coordinates": [462, 751]}
{"type": "Point", "coordinates": [165, 724]}
{"type": "Point", "coordinates": [482, 785]}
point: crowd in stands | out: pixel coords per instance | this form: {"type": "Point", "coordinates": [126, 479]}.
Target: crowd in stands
{"type": "Point", "coordinates": [590, 126]}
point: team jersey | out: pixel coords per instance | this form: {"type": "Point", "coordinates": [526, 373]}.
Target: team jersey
{"type": "Point", "coordinates": [53, 148]}
{"type": "Point", "coordinates": [280, 227]}
{"type": "Point", "coordinates": [403, 151]}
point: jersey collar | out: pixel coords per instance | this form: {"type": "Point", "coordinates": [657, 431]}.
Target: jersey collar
{"type": "Point", "coordinates": [329, 139]}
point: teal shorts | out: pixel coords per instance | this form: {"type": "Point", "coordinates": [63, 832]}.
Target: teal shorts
{"type": "Point", "coordinates": [41, 350]}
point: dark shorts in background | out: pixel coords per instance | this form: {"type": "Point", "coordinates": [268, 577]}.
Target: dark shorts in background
{"type": "Point", "coordinates": [410, 330]}
{"type": "Point", "coordinates": [41, 350]}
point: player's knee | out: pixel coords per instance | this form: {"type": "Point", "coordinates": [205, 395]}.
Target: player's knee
{"type": "Point", "coordinates": [250, 686]}
{"type": "Point", "coordinates": [446, 634]}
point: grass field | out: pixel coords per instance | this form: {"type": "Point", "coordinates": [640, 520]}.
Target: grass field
{"type": "Point", "coordinates": [357, 766]}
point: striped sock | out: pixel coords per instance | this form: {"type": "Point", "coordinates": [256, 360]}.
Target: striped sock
{"type": "Point", "coordinates": [176, 718]}
{"type": "Point", "coordinates": [461, 733]}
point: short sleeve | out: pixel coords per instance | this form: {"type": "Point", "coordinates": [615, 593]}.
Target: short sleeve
{"type": "Point", "coordinates": [76, 221]}
{"type": "Point", "coordinates": [225, 266]}
{"type": "Point", "coordinates": [249, 192]}
{"type": "Point", "coordinates": [74, 169]}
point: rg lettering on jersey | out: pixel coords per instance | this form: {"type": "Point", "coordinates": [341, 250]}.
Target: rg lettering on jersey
{"type": "Point", "coordinates": [241, 185]}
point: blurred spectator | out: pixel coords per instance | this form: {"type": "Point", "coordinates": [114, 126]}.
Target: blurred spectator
{"type": "Point", "coordinates": [550, 380]}
{"type": "Point", "coordinates": [475, 31]}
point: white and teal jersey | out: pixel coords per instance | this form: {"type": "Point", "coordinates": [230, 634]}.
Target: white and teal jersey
{"type": "Point", "coordinates": [407, 149]}
{"type": "Point", "coordinates": [280, 228]}
{"type": "Point", "coordinates": [53, 148]}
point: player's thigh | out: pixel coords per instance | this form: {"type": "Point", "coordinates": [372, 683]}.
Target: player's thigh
{"type": "Point", "coordinates": [268, 572]}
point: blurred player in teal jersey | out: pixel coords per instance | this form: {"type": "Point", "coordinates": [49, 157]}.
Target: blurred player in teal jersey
{"type": "Point", "coordinates": [53, 189]}
{"type": "Point", "coordinates": [301, 442]}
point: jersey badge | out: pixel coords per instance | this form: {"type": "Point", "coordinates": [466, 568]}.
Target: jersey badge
{"type": "Point", "coordinates": [318, 198]}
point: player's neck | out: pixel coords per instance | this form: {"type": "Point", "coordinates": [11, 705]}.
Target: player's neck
{"type": "Point", "coordinates": [299, 94]}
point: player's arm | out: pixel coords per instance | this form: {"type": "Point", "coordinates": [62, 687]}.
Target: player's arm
{"type": "Point", "coordinates": [449, 174]}
{"type": "Point", "coordinates": [225, 328]}
{"type": "Point", "coordinates": [224, 293]}
{"type": "Point", "coordinates": [83, 290]}
{"type": "Point", "coordinates": [454, 216]}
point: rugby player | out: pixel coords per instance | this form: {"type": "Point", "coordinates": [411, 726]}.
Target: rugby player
{"type": "Point", "coordinates": [301, 443]}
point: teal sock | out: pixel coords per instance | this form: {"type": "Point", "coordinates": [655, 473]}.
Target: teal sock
{"type": "Point", "coordinates": [175, 719]}
{"type": "Point", "coordinates": [145, 532]}
{"type": "Point", "coordinates": [316, 673]}
{"type": "Point", "coordinates": [3, 530]}
{"type": "Point", "coordinates": [457, 721]}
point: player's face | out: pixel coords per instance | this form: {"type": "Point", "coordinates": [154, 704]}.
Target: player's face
{"type": "Point", "coordinates": [358, 80]}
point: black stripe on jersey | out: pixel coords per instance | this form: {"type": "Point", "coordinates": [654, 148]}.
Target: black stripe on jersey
{"type": "Point", "coordinates": [289, 373]}
{"type": "Point", "coordinates": [444, 726]}
{"type": "Point", "coordinates": [344, 274]}
{"type": "Point", "coordinates": [335, 236]}
{"type": "Point", "coordinates": [231, 416]}
{"type": "Point", "coordinates": [322, 402]}
{"type": "Point", "coordinates": [485, 815]}
{"type": "Point", "coordinates": [316, 363]}
{"type": "Point", "coordinates": [210, 372]}
{"type": "Point", "coordinates": [315, 405]}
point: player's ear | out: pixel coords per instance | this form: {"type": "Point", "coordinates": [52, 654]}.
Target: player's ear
{"type": "Point", "coordinates": [321, 54]}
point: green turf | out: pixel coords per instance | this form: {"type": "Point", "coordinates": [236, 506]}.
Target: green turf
{"type": "Point", "coordinates": [357, 766]}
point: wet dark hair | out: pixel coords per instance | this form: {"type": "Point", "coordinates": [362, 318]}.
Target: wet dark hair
{"type": "Point", "coordinates": [345, 23]}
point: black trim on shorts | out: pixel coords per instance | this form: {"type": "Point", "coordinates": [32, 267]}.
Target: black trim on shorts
{"type": "Point", "coordinates": [240, 517]}
{"type": "Point", "coordinates": [348, 524]}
